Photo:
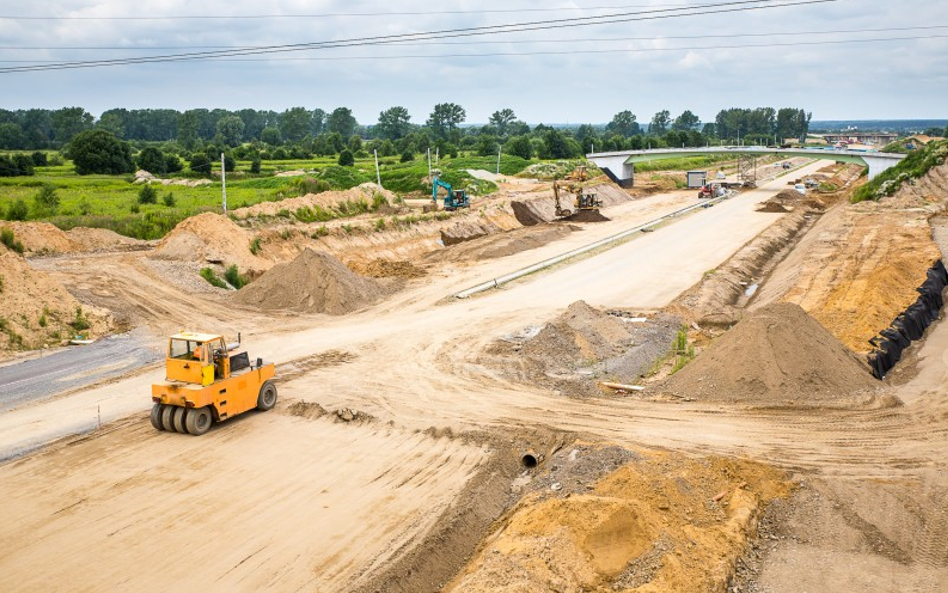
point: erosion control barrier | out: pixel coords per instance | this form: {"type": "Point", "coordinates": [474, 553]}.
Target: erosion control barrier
{"type": "Point", "coordinates": [911, 324]}
{"type": "Point", "coordinates": [501, 280]}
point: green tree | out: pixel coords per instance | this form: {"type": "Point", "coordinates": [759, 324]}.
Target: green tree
{"type": "Point", "coordinates": [486, 145]}
{"type": "Point", "coordinates": [68, 122]}
{"type": "Point", "coordinates": [556, 145]}
{"type": "Point", "coordinates": [624, 124]}
{"type": "Point", "coordinates": [295, 123]}
{"type": "Point", "coordinates": [152, 160]}
{"type": "Point", "coordinates": [188, 129]}
{"type": "Point", "coordinates": [444, 120]}
{"type": "Point", "coordinates": [519, 146]}
{"type": "Point", "coordinates": [12, 136]}
{"type": "Point", "coordinates": [687, 121]}
{"type": "Point", "coordinates": [98, 151]}
{"type": "Point", "coordinates": [355, 143]}
{"type": "Point", "coordinates": [230, 129]}
{"type": "Point", "coordinates": [660, 122]}
{"type": "Point", "coordinates": [502, 120]}
{"type": "Point", "coordinates": [147, 195]}
{"type": "Point", "coordinates": [346, 159]}
{"type": "Point", "coordinates": [271, 136]}
{"type": "Point", "coordinates": [200, 164]}
{"type": "Point", "coordinates": [393, 123]}
{"type": "Point", "coordinates": [342, 122]}
{"type": "Point", "coordinates": [255, 166]}
{"type": "Point", "coordinates": [112, 121]}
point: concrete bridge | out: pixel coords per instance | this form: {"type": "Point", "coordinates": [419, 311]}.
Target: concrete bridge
{"type": "Point", "coordinates": [620, 166]}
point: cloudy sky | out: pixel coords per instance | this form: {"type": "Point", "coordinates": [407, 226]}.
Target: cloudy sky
{"type": "Point", "coordinates": [841, 59]}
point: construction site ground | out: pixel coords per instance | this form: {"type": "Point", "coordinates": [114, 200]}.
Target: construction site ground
{"type": "Point", "coordinates": [393, 461]}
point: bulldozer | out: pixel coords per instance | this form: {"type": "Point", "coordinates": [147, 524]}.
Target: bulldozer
{"type": "Point", "coordinates": [209, 381]}
{"type": "Point", "coordinates": [584, 199]}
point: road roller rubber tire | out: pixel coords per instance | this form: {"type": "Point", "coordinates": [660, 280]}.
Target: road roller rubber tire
{"type": "Point", "coordinates": [167, 415]}
{"type": "Point", "coordinates": [156, 416]}
{"type": "Point", "coordinates": [178, 420]}
{"type": "Point", "coordinates": [268, 396]}
{"type": "Point", "coordinates": [198, 421]}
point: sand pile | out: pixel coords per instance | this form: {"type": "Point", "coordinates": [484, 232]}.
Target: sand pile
{"type": "Point", "coordinates": [582, 346]}
{"type": "Point", "coordinates": [37, 310]}
{"type": "Point", "coordinates": [777, 356]}
{"type": "Point", "coordinates": [314, 282]}
{"type": "Point", "coordinates": [42, 237]}
{"type": "Point", "coordinates": [543, 208]}
{"type": "Point", "coordinates": [366, 192]}
{"type": "Point", "coordinates": [468, 229]}
{"type": "Point", "coordinates": [785, 201]}
{"type": "Point", "coordinates": [89, 239]}
{"type": "Point", "coordinates": [210, 237]}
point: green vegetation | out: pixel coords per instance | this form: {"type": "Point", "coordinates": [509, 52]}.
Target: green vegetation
{"type": "Point", "coordinates": [9, 239]}
{"type": "Point", "coordinates": [211, 276]}
{"type": "Point", "coordinates": [99, 151]}
{"type": "Point", "coordinates": [915, 165]}
{"type": "Point", "coordinates": [683, 351]}
{"type": "Point", "coordinates": [46, 201]}
{"type": "Point", "coordinates": [234, 278]}
{"type": "Point", "coordinates": [255, 245]}
{"type": "Point", "coordinates": [147, 195]}
{"type": "Point", "coordinates": [43, 322]}
{"type": "Point", "coordinates": [682, 164]}
{"type": "Point", "coordinates": [81, 322]}
{"type": "Point", "coordinates": [16, 340]}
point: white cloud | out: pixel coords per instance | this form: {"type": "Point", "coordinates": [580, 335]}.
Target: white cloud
{"type": "Point", "coordinates": [573, 86]}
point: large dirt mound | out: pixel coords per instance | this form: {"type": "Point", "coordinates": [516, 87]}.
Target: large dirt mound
{"type": "Point", "coordinates": [777, 356]}
{"type": "Point", "coordinates": [37, 311]}
{"type": "Point", "coordinates": [42, 238]}
{"type": "Point", "coordinates": [543, 208]}
{"type": "Point", "coordinates": [314, 282]}
{"type": "Point", "coordinates": [582, 346]}
{"type": "Point", "coordinates": [210, 237]}
{"type": "Point", "coordinates": [89, 239]}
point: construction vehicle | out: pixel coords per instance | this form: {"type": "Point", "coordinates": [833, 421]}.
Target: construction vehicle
{"type": "Point", "coordinates": [454, 200]}
{"type": "Point", "coordinates": [208, 381]}
{"type": "Point", "coordinates": [584, 199]}
{"type": "Point", "coordinates": [578, 174]}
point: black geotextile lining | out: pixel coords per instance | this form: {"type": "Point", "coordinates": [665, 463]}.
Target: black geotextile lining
{"type": "Point", "coordinates": [909, 325]}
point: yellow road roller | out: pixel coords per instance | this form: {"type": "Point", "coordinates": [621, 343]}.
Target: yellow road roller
{"type": "Point", "coordinates": [208, 381]}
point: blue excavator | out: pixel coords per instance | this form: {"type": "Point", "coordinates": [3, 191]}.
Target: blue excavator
{"type": "Point", "coordinates": [456, 198]}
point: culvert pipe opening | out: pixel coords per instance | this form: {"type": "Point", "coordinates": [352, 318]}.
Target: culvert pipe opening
{"type": "Point", "coordinates": [530, 460]}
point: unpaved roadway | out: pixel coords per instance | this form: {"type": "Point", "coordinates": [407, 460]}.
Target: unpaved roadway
{"type": "Point", "coordinates": [138, 509]}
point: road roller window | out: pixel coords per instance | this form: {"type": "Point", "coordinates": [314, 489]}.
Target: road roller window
{"type": "Point", "coordinates": [184, 349]}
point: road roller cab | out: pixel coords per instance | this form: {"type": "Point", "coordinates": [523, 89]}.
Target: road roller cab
{"type": "Point", "coordinates": [207, 381]}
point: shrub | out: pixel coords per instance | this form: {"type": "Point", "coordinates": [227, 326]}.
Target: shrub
{"type": "Point", "coordinates": [40, 159]}
{"type": "Point", "coordinates": [81, 322]}
{"type": "Point", "coordinates": [18, 210]}
{"type": "Point", "coordinates": [255, 166]}
{"type": "Point", "coordinates": [320, 232]}
{"type": "Point", "coordinates": [47, 200]}
{"type": "Point", "coordinates": [99, 151]}
{"type": "Point", "coordinates": [42, 320]}
{"type": "Point", "coordinates": [9, 239]}
{"type": "Point", "coordinates": [346, 159]}
{"type": "Point", "coordinates": [407, 156]}
{"type": "Point", "coordinates": [200, 164]}
{"type": "Point", "coordinates": [169, 200]}
{"type": "Point", "coordinates": [234, 277]}
{"type": "Point", "coordinates": [255, 245]}
{"type": "Point", "coordinates": [211, 276]}
{"type": "Point", "coordinates": [380, 225]}
{"type": "Point", "coordinates": [147, 195]}
{"type": "Point", "coordinates": [1, 283]}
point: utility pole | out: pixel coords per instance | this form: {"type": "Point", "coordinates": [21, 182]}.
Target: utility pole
{"type": "Point", "coordinates": [499, 148]}
{"type": "Point", "coordinates": [378, 174]}
{"type": "Point", "coordinates": [429, 162]}
{"type": "Point", "coordinates": [224, 183]}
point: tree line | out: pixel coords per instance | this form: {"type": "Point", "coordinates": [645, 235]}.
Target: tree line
{"type": "Point", "coordinates": [299, 133]}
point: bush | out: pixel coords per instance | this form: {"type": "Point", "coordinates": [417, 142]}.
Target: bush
{"type": "Point", "coordinates": [407, 156]}
{"type": "Point", "coordinates": [255, 245]}
{"type": "Point", "coordinates": [40, 159]}
{"type": "Point", "coordinates": [9, 239]}
{"type": "Point", "coordinates": [18, 210]}
{"type": "Point", "coordinates": [211, 276]}
{"type": "Point", "coordinates": [147, 195]}
{"type": "Point", "coordinates": [200, 164]}
{"type": "Point", "coordinates": [346, 159]}
{"type": "Point", "coordinates": [81, 322]}
{"type": "Point", "coordinates": [234, 278]}
{"type": "Point", "coordinates": [255, 166]}
{"type": "Point", "coordinates": [152, 160]}
{"type": "Point", "coordinates": [47, 200]}
{"type": "Point", "coordinates": [169, 200]}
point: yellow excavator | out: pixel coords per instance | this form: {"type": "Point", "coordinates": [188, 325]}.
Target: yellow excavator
{"type": "Point", "coordinates": [583, 199]}
{"type": "Point", "coordinates": [208, 381]}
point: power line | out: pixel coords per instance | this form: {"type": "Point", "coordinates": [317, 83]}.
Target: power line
{"type": "Point", "coordinates": [657, 14]}
{"type": "Point", "coordinates": [324, 15]}
{"type": "Point", "coordinates": [509, 41]}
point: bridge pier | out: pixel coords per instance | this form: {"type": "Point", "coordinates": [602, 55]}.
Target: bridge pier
{"type": "Point", "coordinates": [616, 169]}
{"type": "Point", "coordinates": [878, 165]}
